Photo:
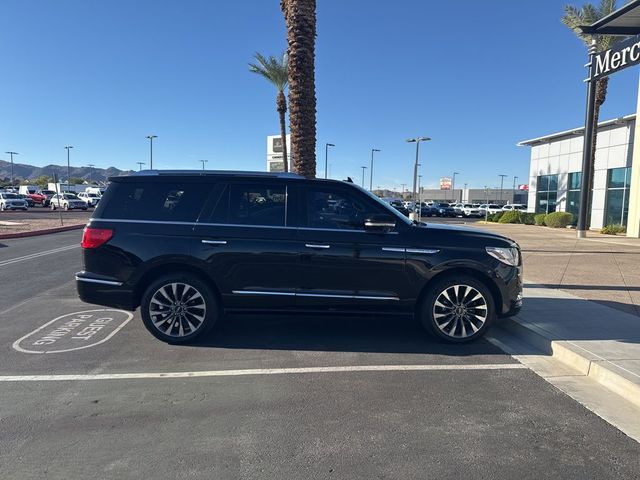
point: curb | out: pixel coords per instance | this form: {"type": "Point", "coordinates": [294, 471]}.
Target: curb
{"type": "Point", "coordinates": [604, 372]}
{"type": "Point", "coordinates": [35, 233]}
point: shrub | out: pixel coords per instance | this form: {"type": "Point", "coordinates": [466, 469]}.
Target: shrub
{"type": "Point", "coordinates": [510, 217]}
{"type": "Point", "coordinates": [497, 216]}
{"type": "Point", "coordinates": [613, 229]}
{"type": "Point", "coordinates": [558, 219]}
{"type": "Point", "coordinates": [527, 218]}
{"type": "Point", "coordinates": [538, 218]}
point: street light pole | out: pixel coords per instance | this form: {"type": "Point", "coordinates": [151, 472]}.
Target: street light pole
{"type": "Point", "coordinates": [402, 192]}
{"type": "Point", "coordinates": [371, 171]}
{"type": "Point", "coordinates": [68, 148]}
{"type": "Point", "coordinates": [12, 154]}
{"type": "Point", "coordinates": [363, 169]}
{"type": "Point", "coordinates": [326, 156]}
{"type": "Point", "coordinates": [417, 141]}
{"type": "Point", "coordinates": [453, 187]}
{"type": "Point", "coordinates": [514, 189]}
{"type": "Point", "coordinates": [203, 162]}
{"type": "Point", "coordinates": [151, 137]}
{"type": "Point", "coordinates": [140, 164]}
{"type": "Point", "coordinates": [501, 185]}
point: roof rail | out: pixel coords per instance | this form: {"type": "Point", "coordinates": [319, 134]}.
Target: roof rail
{"type": "Point", "coordinates": [239, 173]}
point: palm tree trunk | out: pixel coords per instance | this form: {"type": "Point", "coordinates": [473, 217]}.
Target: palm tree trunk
{"type": "Point", "coordinates": [300, 17]}
{"type": "Point", "coordinates": [601, 96]}
{"type": "Point", "coordinates": [281, 106]}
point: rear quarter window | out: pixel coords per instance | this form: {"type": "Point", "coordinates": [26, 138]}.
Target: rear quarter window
{"type": "Point", "coordinates": [159, 201]}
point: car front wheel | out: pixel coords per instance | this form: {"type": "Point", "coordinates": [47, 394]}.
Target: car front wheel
{"type": "Point", "coordinates": [179, 308]}
{"type": "Point", "coordinates": [457, 309]}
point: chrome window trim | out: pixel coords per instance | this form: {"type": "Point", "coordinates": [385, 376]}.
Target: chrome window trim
{"type": "Point", "coordinates": [312, 295]}
{"type": "Point", "coordinates": [126, 220]}
{"type": "Point", "coordinates": [95, 280]}
{"type": "Point", "coordinates": [393, 249]}
{"type": "Point", "coordinates": [426, 251]}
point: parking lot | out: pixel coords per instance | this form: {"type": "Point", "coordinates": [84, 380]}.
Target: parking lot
{"type": "Point", "coordinates": [267, 397]}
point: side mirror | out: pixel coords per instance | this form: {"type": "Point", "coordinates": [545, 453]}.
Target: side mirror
{"type": "Point", "coordinates": [381, 223]}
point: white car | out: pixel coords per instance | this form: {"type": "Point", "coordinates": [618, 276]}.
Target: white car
{"type": "Point", "coordinates": [12, 201]}
{"type": "Point", "coordinates": [91, 199]}
{"type": "Point", "coordinates": [409, 205]}
{"type": "Point", "coordinates": [514, 206]}
{"type": "Point", "coordinates": [67, 201]}
{"type": "Point", "coordinates": [468, 210]}
{"type": "Point", "coordinates": [490, 207]}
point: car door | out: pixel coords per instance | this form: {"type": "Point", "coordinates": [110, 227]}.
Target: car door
{"type": "Point", "coordinates": [344, 266]}
{"type": "Point", "coordinates": [247, 245]}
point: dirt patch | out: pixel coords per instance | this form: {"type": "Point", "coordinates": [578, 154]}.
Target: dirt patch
{"type": "Point", "coordinates": [31, 225]}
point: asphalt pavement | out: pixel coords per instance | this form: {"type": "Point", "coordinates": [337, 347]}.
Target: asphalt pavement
{"type": "Point", "coordinates": [88, 393]}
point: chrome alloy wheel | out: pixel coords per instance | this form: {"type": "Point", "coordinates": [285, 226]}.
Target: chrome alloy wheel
{"type": "Point", "coordinates": [460, 311]}
{"type": "Point", "coordinates": [177, 309]}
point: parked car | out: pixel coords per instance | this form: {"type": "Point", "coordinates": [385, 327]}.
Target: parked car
{"type": "Point", "coordinates": [91, 199]}
{"type": "Point", "coordinates": [27, 199]}
{"type": "Point", "coordinates": [12, 201]}
{"type": "Point", "coordinates": [491, 207]}
{"type": "Point", "coordinates": [402, 210]}
{"type": "Point", "coordinates": [409, 205]}
{"type": "Point", "coordinates": [514, 206]}
{"type": "Point", "coordinates": [67, 201]}
{"type": "Point", "coordinates": [468, 210]}
{"type": "Point", "coordinates": [216, 249]}
{"type": "Point", "coordinates": [441, 210]}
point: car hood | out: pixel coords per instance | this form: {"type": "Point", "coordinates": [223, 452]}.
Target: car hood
{"type": "Point", "coordinates": [457, 236]}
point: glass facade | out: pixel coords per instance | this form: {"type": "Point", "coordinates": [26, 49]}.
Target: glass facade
{"type": "Point", "coordinates": [546, 193]}
{"type": "Point", "coordinates": [617, 205]}
{"type": "Point", "coordinates": [573, 193]}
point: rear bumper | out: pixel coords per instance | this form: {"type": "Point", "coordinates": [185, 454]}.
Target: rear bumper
{"type": "Point", "coordinates": [105, 291]}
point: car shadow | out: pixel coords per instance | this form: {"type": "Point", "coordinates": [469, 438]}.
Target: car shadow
{"type": "Point", "coordinates": [332, 333]}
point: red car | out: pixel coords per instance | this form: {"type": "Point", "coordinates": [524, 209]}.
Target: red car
{"type": "Point", "coordinates": [37, 198]}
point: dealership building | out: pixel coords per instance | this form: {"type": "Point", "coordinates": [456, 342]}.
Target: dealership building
{"type": "Point", "coordinates": [555, 172]}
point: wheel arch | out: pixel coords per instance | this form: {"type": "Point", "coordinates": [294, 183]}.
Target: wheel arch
{"type": "Point", "coordinates": [462, 270]}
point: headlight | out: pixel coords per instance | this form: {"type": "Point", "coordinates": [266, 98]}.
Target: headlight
{"type": "Point", "coordinates": [510, 256]}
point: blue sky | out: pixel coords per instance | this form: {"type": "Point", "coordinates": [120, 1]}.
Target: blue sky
{"type": "Point", "coordinates": [477, 77]}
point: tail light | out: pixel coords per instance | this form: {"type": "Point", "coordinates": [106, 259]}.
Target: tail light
{"type": "Point", "coordinates": [94, 237]}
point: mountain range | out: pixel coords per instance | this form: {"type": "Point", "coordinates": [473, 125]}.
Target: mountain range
{"type": "Point", "coordinates": [22, 171]}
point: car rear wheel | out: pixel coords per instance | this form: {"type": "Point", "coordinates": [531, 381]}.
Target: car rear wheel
{"type": "Point", "coordinates": [179, 308]}
{"type": "Point", "coordinates": [458, 309]}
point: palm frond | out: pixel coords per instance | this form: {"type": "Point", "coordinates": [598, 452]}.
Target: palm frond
{"type": "Point", "coordinates": [275, 70]}
{"type": "Point", "coordinates": [575, 17]}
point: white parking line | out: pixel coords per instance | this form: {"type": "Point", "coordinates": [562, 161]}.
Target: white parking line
{"type": "Point", "coordinates": [38, 254]}
{"type": "Point", "coordinates": [259, 371]}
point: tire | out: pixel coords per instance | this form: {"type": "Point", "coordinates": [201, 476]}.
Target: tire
{"type": "Point", "coordinates": [84, 209]}
{"type": "Point", "coordinates": [2, 208]}
{"type": "Point", "coordinates": [53, 207]}
{"type": "Point", "coordinates": [162, 295]}
{"type": "Point", "coordinates": [474, 314]}
{"type": "Point", "coordinates": [66, 207]}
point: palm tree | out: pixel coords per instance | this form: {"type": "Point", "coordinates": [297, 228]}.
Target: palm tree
{"type": "Point", "coordinates": [300, 18]}
{"type": "Point", "coordinates": [574, 18]}
{"type": "Point", "coordinates": [276, 70]}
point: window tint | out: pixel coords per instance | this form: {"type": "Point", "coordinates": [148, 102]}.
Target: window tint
{"type": "Point", "coordinates": [339, 210]}
{"type": "Point", "coordinates": [171, 202]}
{"type": "Point", "coordinates": [251, 204]}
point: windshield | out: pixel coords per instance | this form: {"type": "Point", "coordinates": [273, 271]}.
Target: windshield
{"type": "Point", "coordinates": [384, 204]}
{"type": "Point", "coordinates": [70, 196]}
{"type": "Point", "coordinates": [10, 195]}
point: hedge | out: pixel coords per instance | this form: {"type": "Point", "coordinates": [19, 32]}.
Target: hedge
{"type": "Point", "coordinates": [510, 217]}
{"type": "Point", "coordinates": [612, 229]}
{"type": "Point", "coordinates": [527, 218]}
{"type": "Point", "coordinates": [538, 218]}
{"type": "Point", "coordinates": [558, 219]}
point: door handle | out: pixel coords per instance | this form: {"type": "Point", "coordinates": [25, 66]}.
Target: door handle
{"type": "Point", "coordinates": [313, 245]}
{"type": "Point", "coordinates": [215, 242]}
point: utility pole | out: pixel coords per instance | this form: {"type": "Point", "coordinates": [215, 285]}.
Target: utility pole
{"type": "Point", "coordinates": [417, 141]}
{"type": "Point", "coordinates": [12, 154]}
{"type": "Point", "coordinates": [402, 192]}
{"type": "Point", "coordinates": [514, 189]}
{"type": "Point", "coordinates": [501, 185]}
{"type": "Point", "coordinates": [68, 148]}
{"type": "Point", "coordinates": [151, 137]}
{"type": "Point", "coordinates": [140, 164]}
{"type": "Point", "coordinates": [363, 169]}
{"type": "Point", "coordinates": [486, 210]}
{"type": "Point", "coordinates": [326, 157]}
{"type": "Point", "coordinates": [203, 162]}
{"type": "Point", "coordinates": [371, 171]}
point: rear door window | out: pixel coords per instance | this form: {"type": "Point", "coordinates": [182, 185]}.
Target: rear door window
{"type": "Point", "coordinates": [168, 202]}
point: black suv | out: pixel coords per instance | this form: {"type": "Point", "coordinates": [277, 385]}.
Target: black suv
{"type": "Point", "coordinates": [187, 246]}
